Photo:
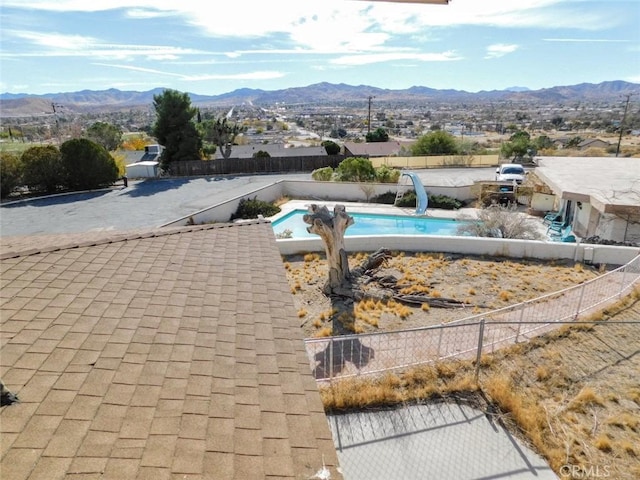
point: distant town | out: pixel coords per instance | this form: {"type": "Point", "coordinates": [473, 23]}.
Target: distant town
{"type": "Point", "coordinates": [568, 115]}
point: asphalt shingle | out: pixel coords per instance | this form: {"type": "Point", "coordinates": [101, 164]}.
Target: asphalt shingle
{"type": "Point", "coordinates": [162, 354]}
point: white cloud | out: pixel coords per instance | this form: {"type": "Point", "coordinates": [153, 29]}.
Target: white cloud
{"type": "Point", "coordinates": [393, 56]}
{"type": "Point", "coordinates": [54, 44]}
{"type": "Point", "coordinates": [139, 69]}
{"type": "Point", "coordinates": [585, 40]}
{"type": "Point", "coordinates": [500, 50]}
{"type": "Point", "coordinates": [339, 24]}
{"type": "Point", "coordinates": [257, 75]}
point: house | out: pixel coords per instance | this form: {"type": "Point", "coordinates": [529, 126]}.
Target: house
{"type": "Point", "coordinates": [375, 149]}
{"type": "Point", "coordinates": [157, 354]}
{"type": "Point", "coordinates": [597, 196]}
{"type": "Point", "coordinates": [593, 143]}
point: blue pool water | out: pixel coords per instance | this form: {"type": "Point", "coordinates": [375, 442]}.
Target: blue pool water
{"type": "Point", "coordinates": [373, 224]}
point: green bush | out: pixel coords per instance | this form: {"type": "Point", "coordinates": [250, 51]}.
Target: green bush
{"type": "Point", "coordinates": [387, 198]}
{"type": "Point", "coordinates": [408, 199]}
{"type": "Point", "coordinates": [444, 202]}
{"type": "Point", "coordinates": [43, 171]}
{"type": "Point", "coordinates": [386, 174]}
{"type": "Point", "coordinates": [355, 169]}
{"type": "Point", "coordinates": [10, 173]}
{"type": "Point", "coordinates": [251, 208]}
{"type": "Point", "coordinates": [87, 165]}
{"type": "Point", "coordinates": [324, 174]}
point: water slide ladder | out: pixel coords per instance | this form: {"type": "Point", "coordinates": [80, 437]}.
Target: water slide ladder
{"type": "Point", "coordinates": [422, 201]}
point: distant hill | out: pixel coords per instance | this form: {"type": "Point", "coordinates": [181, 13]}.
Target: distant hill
{"type": "Point", "coordinates": [113, 99]}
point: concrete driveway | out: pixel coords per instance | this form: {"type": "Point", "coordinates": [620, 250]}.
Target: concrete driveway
{"type": "Point", "coordinates": [149, 203]}
{"type": "Point", "coordinates": [152, 203]}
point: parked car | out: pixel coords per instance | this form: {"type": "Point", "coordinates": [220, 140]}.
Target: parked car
{"type": "Point", "coordinates": [508, 172]}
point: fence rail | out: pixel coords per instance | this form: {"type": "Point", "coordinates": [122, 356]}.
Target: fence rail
{"type": "Point", "coordinates": [468, 338]}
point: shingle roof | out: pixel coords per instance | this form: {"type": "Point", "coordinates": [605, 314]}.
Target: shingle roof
{"type": "Point", "coordinates": [375, 149]}
{"type": "Point", "coordinates": [161, 355]}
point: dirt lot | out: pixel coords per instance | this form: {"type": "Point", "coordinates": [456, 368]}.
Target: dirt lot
{"type": "Point", "coordinates": [572, 394]}
{"type": "Point", "coordinates": [480, 283]}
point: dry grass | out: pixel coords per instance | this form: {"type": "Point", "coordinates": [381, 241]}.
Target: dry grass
{"type": "Point", "coordinates": [481, 283]}
{"type": "Point", "coordinates": [573, 401]}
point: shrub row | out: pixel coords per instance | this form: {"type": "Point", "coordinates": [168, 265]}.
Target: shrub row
{"type": "Point", "coordinates": [79, 164]}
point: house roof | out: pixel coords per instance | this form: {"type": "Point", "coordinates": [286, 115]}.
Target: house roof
{"type": "Point", "coordinates": [611, 185]}
{"type": "Point", "coordinates": [158, 354]}
{"type": "Point", "coordinates": [374, 149]}
{"type": "Point", "coordinates": [273, 149]}
{"type": "Point", "coordinates": [591, 141]}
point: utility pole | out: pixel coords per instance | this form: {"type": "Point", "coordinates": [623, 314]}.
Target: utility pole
{"type": "Point", "coordinates": [624, 117]}
{"type": "Point", "coordinates": [55, 116]}
{"type": "Point", "coordinates": [369, 116]}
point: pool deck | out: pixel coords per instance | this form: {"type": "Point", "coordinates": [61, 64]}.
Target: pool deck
{"type": "Point", "coordinates": [380, 209]}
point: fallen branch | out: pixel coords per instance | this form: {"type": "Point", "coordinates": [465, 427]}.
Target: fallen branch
{"type": "Point", "coordinates": [417, 300]}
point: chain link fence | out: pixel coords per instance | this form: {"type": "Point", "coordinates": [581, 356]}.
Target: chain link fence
{"type": "Point", "coordinates": [468, 338]}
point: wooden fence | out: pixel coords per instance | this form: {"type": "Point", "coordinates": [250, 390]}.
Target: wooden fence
{"type": "Point", "coordinates": [254, 165]}
{"type": "Point", "coordinates": [260, 165]}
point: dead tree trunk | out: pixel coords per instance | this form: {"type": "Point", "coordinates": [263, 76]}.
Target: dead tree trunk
{"type": "Point", "coordinates": [331, 229]}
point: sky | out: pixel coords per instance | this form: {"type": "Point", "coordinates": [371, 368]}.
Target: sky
{"type": "Point", "coordinates": [215, 47]}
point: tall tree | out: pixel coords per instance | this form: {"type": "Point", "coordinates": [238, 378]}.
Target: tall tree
{"type": "Point", "coordinates": [518, 146]}
{"type": "Point", "coordinates": [378, 135]}
{"type": "Point", "coordinates": [174, 127]}
{"type": "Point", "coordinates": [437, 142]}
{"type": "Point", "coordinates": [105, 134]}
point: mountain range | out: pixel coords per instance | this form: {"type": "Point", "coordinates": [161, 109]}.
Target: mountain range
{"type": "Point", "coordinates": [24, 104]}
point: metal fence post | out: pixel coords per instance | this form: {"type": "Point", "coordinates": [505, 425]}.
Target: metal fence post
{"type": "Point", "coordinates": [480, 343]}
{"type": "Point", "coordinates": [519, 323]}
{"type": "Point", "coordinates": [439, 342]}
{"type": "Point", "coordinates": [330, 359]}
{"type": "Point", "coordinates": [622, 286]}
{"type": "Point", "coordinates": [579, 302]}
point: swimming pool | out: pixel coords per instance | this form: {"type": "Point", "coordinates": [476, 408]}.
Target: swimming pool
{"type": "Point", "coordinates": [369, 224]}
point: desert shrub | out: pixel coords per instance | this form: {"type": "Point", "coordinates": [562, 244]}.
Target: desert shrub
{"type": "Point", "coordinates": [499, 221]}
{"type": "Point", "coordinates": [251, 208]}
{"type": "Point", "coordinates": [355, 169]}
{"type": "Point", "coordinates": [324, 174]}
{"type": "Point", "coordinates": [386, 174]}
{"type": "Point", "coordinates": [10, 173]}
